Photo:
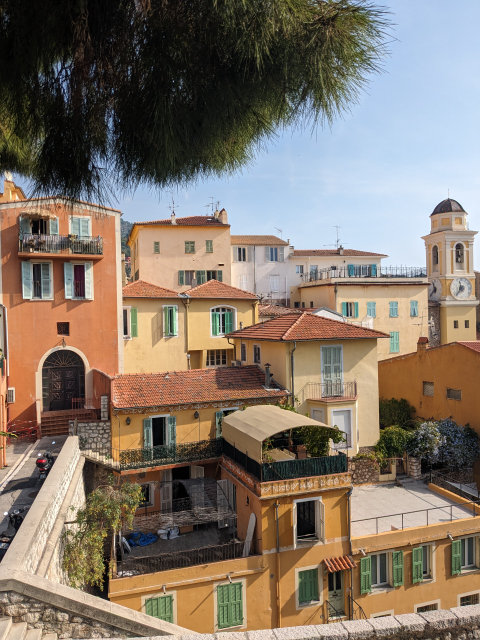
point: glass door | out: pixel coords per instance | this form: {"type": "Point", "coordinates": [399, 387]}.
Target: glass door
{"type": "Point", "coordinates": [335, 592]}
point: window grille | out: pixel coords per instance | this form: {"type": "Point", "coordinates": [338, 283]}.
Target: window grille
{"type": "Point", "coordinates": [428, 388]}
{"type": "Point", "coordinates": [428, 607]}
{"type": "Point", "coordinates": [466, 601]}
{"type": "Point", "coordinates": [63, 328]}
{"type": "Point", "coordinates": [454, 394]}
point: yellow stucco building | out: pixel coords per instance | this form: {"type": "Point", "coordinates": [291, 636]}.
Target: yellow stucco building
{"type": "Point", "coordinates": [165, 330]}
{"type": "Point", "coordinates": [329, 367]}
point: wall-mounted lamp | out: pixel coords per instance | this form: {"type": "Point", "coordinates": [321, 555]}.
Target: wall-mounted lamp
{"type": "Point", "coordinates": [164, 588]}
{"type": "Point", "coordinates": [196, 415]}
{"type": "Point", "coordinates": [128, 420]}
{"type": "Point", "coordinates": [64, 344]}
{"type": "Point", "coordinates": [362, 551]}
{"type": "Point", "coordinates": [229, 576]}
{"type": "Point", "coordinates": [449, 535]}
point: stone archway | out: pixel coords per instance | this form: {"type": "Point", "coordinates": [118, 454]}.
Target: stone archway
{"type": "Point", "coordinates": [63, 378]}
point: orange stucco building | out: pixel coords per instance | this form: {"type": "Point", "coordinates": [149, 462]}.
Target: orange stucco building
{"type": "Point", "coordinates": [61, 291]}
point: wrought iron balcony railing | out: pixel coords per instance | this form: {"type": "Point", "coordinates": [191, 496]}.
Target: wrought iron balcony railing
{"type": "Point", "coordinates": [41, 243]}
{"type": "Point", "coordinates": [363, 271]}
{"type": "Point", "coordinates": [330, 390]}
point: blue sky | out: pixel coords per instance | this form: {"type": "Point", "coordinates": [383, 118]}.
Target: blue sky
{"type": "Point", "coordinates": [378, 172]}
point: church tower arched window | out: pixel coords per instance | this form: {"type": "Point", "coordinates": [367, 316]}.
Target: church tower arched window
{"type": "Point", "coordinates": [459, 256]}
{"type": "Point", "coordinates": [435, 257]}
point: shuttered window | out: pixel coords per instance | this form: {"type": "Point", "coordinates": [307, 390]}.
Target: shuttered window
{"type": "Point", "coordinates": [454, 394]}
{"type": "Point", "coordinates": [161, 608]}
{"type": "Point", "coordinates": [413, 308]}
{"type": "Point", "coordinates": [393, 309]}
{"type": "Point", "coordinates": [230, 605]}
{"type": "Point", "coordinates": [379, 570]}
{"type": "Point", "coordinates": [133, 322]}
{"type": "Point", "coordinates": [397, 563]}
{"type": "Point", "coordinates": [80, 227]}
{"type": "Point", "coordinates": [308, 586]}
{"type": "Point", "coordinates": [365, 575]}
{"type": "Point", "coordinates": [350, 309]}
{"type": "Point", "coordinates": [201, 277]}
{"type": "Point", "coordinates": [156, 247]}
{"type": "Point", "coordinates": [189, 246]}
{"type": "Point", "coordinates": [372, 309]}
{"type": "Point", "coordinates": [417, 564]}
{"type": "Point", "coordinates": [36, 281]}
{"type": "Point", "coordinates": [222, 321]}
{"type": "Point", "coordinates": [394, 341]}
{"type": "Point", "coordinates": [170, 321]}
{"type": "Point", "coordinates": [209, 246]}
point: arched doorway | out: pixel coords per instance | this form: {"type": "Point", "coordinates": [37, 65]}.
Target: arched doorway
{"type": "Point", "coordinates": [63, 378]}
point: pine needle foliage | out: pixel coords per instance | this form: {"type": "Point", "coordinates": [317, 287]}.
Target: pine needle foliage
{"type": "Point", "coordinates": [107, 509]}
{"type": "Point", "coordinates": [100, 97]}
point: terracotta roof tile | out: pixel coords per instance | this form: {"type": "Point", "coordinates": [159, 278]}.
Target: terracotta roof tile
{"type": "Point", "coordinates": [305, 326]}
{"type": "Point", "coordinates": [474, 345]}
{"type": "Point", "coordinates": [334, 252]}
{"type": "Point", "coordinates": [266, 310]}
{"type": "Point", "coordinates": [142, 289]}
{"type": "Point", "coordinates": [216, 289]}
{"type": "Point", "coordinates": [196, 385]}
{"type": "Point", "coordinates": [189, 221]}
{"type": "Point", "coordinates": [339, 564]}
{"type": "Point", "coordinates": [258, 240]}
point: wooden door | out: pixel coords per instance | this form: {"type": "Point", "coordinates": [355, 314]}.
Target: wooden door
{"type": "Point", "coordinates": [62, 387]}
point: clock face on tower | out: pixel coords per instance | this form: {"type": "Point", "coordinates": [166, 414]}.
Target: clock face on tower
{"type": "Point", "coordinates": [461, 288]}
{"type": "Point", "coordinates": [434, 290]}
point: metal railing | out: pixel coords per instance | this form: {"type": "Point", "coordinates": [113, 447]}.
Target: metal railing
{"type": "Point", "coordinates": [402, 519]}
{"type": "Point", "coordinates": [357, 612]}
{"type": "Point", "coordinates": [42, 243]}
{"type": "Point", "coordinates": [333, 614]}
{"type": "Point", "coordinates": [453, 484]}
{"type": "Point", "coordinates": [364, 271]}
{"type": "Point", "coordinates": [184, 559]}
{"type": "Point", "coordinates": [333, 389]}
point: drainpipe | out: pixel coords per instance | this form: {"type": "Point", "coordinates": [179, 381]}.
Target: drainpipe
{"type": "Point", "coordinates": [335, 290]}
{"type": "Point", "coordinates": [293, 372]}
{"type": "Point", "coordinates": [186, 304]}
{"type": "Point", "coordinates": [234, 348]}
{"type": "Point", "coordinates": [349, 500]}
{"type": "Point", "coordinates": [254, 270]}
{"type": "Point", "coordinates": [279, 603]}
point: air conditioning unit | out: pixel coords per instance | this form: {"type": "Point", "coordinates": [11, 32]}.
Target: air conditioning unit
{"type": "Point", "coordinates": [11, 395]}
{"type": "Point", "coordinates": [236, 363]}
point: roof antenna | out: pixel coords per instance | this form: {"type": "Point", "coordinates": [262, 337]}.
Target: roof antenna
{"type": "Point", "coordinates": [280, 231]}
{"type": "Point", "coordinates": [448, 193]}
{"type": "Point", "coordinates": [172, 206]}
{"type": "Point", "coordinates": [211, 204]}
{"type": "Point", "coordinates": [337, 242]}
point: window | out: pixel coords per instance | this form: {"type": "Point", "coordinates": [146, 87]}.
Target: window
{"type": "Point", "coordinates": [274, 284]}
{"type": "Point", "coordinates": [230, 605]}
{"type": "Point", "coordinates": [156, 247]}
{"type": "Point", "coordinates": [308, 521]}
{"type": "Point", "coordinates": [217, 358]}
{"type": "Point", "coordinates": [243, 352]}
{"type": "Point", "coordinates": [170, 321]}
{"type": "Point", "coordinates": [303, 305]}
{"type": "Point", "coordinates": [428, 388]}
{"type": "Point", "coordinates": [63, 328]}
{"type": "Point", "coordinates": [274, 254]}
{"type": "Point", "coordinates": [80, 226]}
{"type": "Point", "coordinates": [137, 275]}
{"type": "Point", "coordinates": [435, 257]}
{"type": "Point", "coordinates": [467, 324]}
{"type": "Point", "coordinates": [467, 546]}
{"type": "Point", "coordinates": [394, 342]}
{"type": "Point", "coordinates": [186, 278]}
{"type": "Point", "coordinates": [455, 324]}
{"type": "Point", "coordinates": [414, 308]}
{"type": "Point", "coordinates": [36, 281]}
{"type": "Point", "coordinates": [311, 304]}
{"type": "Point", "coordinates": [242, 254]}
{"type": "Point", "coordinates": [459, 256]}
{"type": "Point", "coordinates": [454, 394]}
{"type": "Point", "coordinates": [379, 570]}
{"type": "Point", "coordinates": [426, 607]}
{"type": "Point", "coordinates": [212, 275]}
{"type": "Point", "coordinates": [256, 354]}
{"type": "Point", "coordinates": [299, 269]}
{"type": "Point", "coordinates": [209, 246]}
{"type": "Point", "coordinates": [189, 246]}
{"type": "Point", "coordinates": [296, 305]}
{"type": "Point", "coordinates": [147, 498]}
{"type": "Point", "coordinates": [126, 322]}
{"type": "Point", "coordinates": [222, 319]}
{"type": "Point", "coordinates": [78, 281]}
{"type": "Point", "coordinates": [242, 282]}
{"type": "Point", "coordinates": [161, 608]}
{"type": "Point", "coordinates": [350, 309]}
{"type": "Point", "coordinates": [421, 564]}
{"type": "Point", "coordinates": [393, 309]}
{"type": "Point", "coordinates": [372, 309]}
{"type": "Point", "coordinates": [467, 600]}
{"type": "Point", "coordinates": [375, 571]}
{"type": "Point", "coordinates": [308, 587]}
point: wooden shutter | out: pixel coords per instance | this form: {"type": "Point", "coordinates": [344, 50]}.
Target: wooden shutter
{"type": "Point", "coordinates": [209, 247]}
{"type": "Point", "coordinates": [374, 269]}
{"type": "Point", "coordinates": [235, 254]}
{"type": "Point", "coordinates": [218, 423]}
{"type": "Point", "coordinates": [161, 608]}
{"type": "Point", "coordinates": [215, 323]}
{"type": "Point", "coordinates": [321, 521]}
{"type": "Point", "coordinates": [456, 557]}
{"type": "Point", "coordinates": [147, 432]}
{"type": "Point", "coordinates": [223, 606]}
{"type": "Point", "coordinates": [68, 275]}
{"type": "Point", "coordinates": [397, 559]}
{"type": "Point", "coordinates": [394, 341]}
{"type": "Point", "coordinates": [53, 227]}
{"type": "Point", "coordinates": [133, 322]}
{"type": "Point", "coordinates": [201, 277]}
{"type": "Point", "coordinates": [365, 575]}
{"type": "Point", "coordinates": [344, 308]}
{"type": "Point", "coordinates": [84, 226]}
{"type": "Point", "coordinates": [356, 309]}
{"type": "Point", "coordinates": [267, 254]}
{"type": "Point", "coordinates": [249, 253]}
{"type": "Point", "coordinates": [24, 224]}
{"type": "Point", "coordinates": [26, 280]}
{"type": "Point", "coordinates": [166, 324]}
{"type": "Point", "coordinates": [228, 322]}
{"type": "Point", "coordinates": [89, 280]}
{"type": "Point", "coordinates": [236, 603]}
{"type": "Point", "coordinates": [351, 269]}
{"type": "Point", "coordinates": [46, 281]}
{"type": "Point", "coordinates": [172, 430]}
{"type": "Point", "coordinates": [281, 254]}
{"type": "Point", "coordinates": [181, 278]}
{"type": "Point", "coordinates": [414, 308]}
{"type": "Point", "coordinates": [156, 247]}
{"type": "Point", "coordinates": [175, 320]}
{"type": "Point", "coordinates": [394, 309]}
{"type": "Point", "coordinates": [308, 586]}
{"type": "Point", "coordinates": [417, 564]}
{"type": "Point", "coordinates": [220, 276]}
{"type": "Point", "coordinates": [75, 227]}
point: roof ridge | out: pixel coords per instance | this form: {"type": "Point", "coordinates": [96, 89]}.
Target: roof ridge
{"type": "Point", "coordinates": [224, 284]}
{"type": "Point", "coordinates": [150, 284]}
{"type": "Point", "coordinates": [297, 320]}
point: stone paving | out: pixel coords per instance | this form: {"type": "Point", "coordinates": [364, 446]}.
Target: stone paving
{"type": "Point", "coordinates": [378, 508]}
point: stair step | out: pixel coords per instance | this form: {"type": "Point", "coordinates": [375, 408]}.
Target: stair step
{"type": "Point", "coordinates": [17, 631]}
{"type": "Point", "coordinates": [5, 624]}
{"type": "Point", "coordinates": [49, 636]}
{"type": "Point", "coordinates": [33, 634]}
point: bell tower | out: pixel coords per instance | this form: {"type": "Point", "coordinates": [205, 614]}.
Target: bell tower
{"type": "Point", "coordinates": [451, 290]}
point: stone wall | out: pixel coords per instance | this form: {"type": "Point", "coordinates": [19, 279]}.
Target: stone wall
{"type": "Point", "coordinates": [363, 470]}
{"type": "Point", "coordinates": [434, 332]}
{"type": "Point", "coordinates": [414, 467]}
{"type": "Point", "coordinates": [94, 436]}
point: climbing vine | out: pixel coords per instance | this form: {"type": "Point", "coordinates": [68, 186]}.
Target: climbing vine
{"type": "Point", "coordinates": [106, 510]}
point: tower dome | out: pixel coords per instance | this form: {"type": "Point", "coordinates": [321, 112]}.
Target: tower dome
{"type": "Point", "coordinates": [448, 206]}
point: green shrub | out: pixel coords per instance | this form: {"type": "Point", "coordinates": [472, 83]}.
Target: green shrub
{"type": "Point", "coordinates": [395, 412]}
{"type": "Point", "coordinates": [392, 442]}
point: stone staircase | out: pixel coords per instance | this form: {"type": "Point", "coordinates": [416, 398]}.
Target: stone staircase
{"type": "Point", "coordinates": [19, 631]}
{"type": "Point", "coordinates": [55, 423]}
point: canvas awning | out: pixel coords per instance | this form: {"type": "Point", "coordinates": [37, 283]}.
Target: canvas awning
{"type": "Point", "coordinates": [37, 213]}
{"type": "Point", "coordinates": [339, 564]}
{"type": "Point", "coordinates": [247, 429]}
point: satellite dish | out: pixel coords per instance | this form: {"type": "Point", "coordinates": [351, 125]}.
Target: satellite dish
{"type": "Point", "coordinates": [8, 176]}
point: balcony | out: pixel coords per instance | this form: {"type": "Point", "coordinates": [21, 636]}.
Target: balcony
{"type": "Point", "coordinates": [367, 271]}
{"type": "Point", "coordinates": [329, 391]}
{"type": "Point", "coordinates": [55, 245]}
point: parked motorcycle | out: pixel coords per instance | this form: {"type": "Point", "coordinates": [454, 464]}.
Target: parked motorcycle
{"type": "Point", "coordinates": [15, 519]}
{"type": "Point", "coordinates": [45, 463]}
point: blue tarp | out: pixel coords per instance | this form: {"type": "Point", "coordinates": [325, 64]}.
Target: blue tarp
{"type": "Point", "coordinates": [141, 539]}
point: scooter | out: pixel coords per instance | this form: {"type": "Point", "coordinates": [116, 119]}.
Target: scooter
{"type": "Point", "coordinates": [44, 463]}
{"type": "Point", "coordinates": [15, 519]}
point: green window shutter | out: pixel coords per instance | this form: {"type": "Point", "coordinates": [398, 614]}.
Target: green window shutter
{"type": "Point", "coordinates": [156, 247]}
{"type": "Point", "coordinates": [147, 432]}
{"type": "Point", "coordinates": [397, 558]}
{"type": "Point", "coordinates": [218, 424]}
{"type": "Point", "coordinates": [189, 246]}
{"type": "Point", "coordinates": [414, 308]}
{"type": "Point", "coordinates": [351, 269]}
{"type": "Point", "coordinates": [209, 246]}
{"type": "Point", "coordinates": [223, 606]}
{"type": "Point", "coordinates": [236, 603]}
{"type": "Point", "coordinates": [356, 309]}
{"type": "Point", "coordinates": [228, 322]}
{"type": "Point", "coordinates": [394, 342]}
{"type": "Point", "coordinates": [215, 323]}
{"type": "Point", "coordinates": [344, 308]}
{"type": "Point", "coordinates": [365, 575]}
{"type": "Point", "coordinates": [417, 564]}
{"type": "Point", "coordinates": [161, 608]}
{"type": "Point", "coordinates": [133, 322]}
{"type": "Point", "coordinates": [175, 321]}
{"type": "Point", "coordinates": [220, 276]}
{"type": "Point", "coordinates": [456, 557]}
{"type": "Point", "coordinates": [308, 586]}
{"type": "Point", "coordinates": [166, 328]}
{"type": "Point", "coordinates": [181, 278]}
{"type": "Point", "coordinates": [172, 430]}
{"type": "Point", "coordinates": [201, 277]}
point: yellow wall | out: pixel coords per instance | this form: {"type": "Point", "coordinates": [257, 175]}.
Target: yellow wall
{"type": "Point", "coordinates": [448, 315]}
{"type": "Point", "coordinates": [360, 363]}
{"type": "Point", "coordinates": [162, 269]}
{"type": "Point", "coordinates": [450, 366]}
{"type": "Point", "coordinates": [152, 352]}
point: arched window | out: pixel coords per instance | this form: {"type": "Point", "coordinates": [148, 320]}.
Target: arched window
{"type": "Point", "coordinates": [223, 320]}
{"type": "Point", "coordinates": [435, 257]}
{"type": "Point", "coordinates": [459, 256]}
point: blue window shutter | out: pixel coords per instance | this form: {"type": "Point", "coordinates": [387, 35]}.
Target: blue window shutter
{"type": "Point", "coordinates": [393, 309]}
{"type": "Point", "coordinates": [54, 226]}
{"type": "Point", "coordinates": [181, 278]}
{"type": "Point", "coordinates": [24, 224]}
{"type": "Point", "coordinates": [371, 309]}
{"type": "Point", "coordinates": [374, 269]}
{"type": "Point", "coordinates": [220, 276]}
{"type": "Point", "coordinates": [344, 308]}
{"type": "Point", "coordinates": [172, 430]}
{"type": "Point", "coordinates": [134, 322]}
{"type": "Point", "coordinates": [394, 342]}
{"type": "Point", "coordinates": [68, 275]}
{"type": "Point", "coordinates": [27, 281]}
{"type": "Point", "coordinates": [75, 227]}
{"type": "Point", "coordinates": [147, 432]}
{"type": "Point", "coordinates": [351, 269]}
{"type": "Point", "coordinates": [414, 308]}
{"type": "Point", "coordinates": [356, 309]}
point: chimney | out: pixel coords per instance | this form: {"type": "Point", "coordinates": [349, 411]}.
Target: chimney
{"type": "Point", "coordinates": [340, 250]}
{"type": "Point", "coordinates": [288, 240]}
{"type": "Point", "coordinates": [268, 376]}
{"type": "Point", "coordinates": [422, 344]}
{"type": "Point", "coordinates": [222, 216]}
{"type": "Point", "coordinates": [172, 218]}
{"type": "Point", "coordinates": [216, 214]}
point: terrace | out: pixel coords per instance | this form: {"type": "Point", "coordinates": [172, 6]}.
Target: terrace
{"type": "Point", "coordinates": [367, 271]}
{"type": "Point", "coordinates": [56, 245]}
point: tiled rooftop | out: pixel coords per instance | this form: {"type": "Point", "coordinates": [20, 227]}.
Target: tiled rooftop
{"type": "Point", "coordinates": [190, 221]}
{"type": "Point", "coordinates": [474, 345]}
{"type": "Point", "coordinates": [216, 289]}
{"type": "Point", "coordinates": [335, 252]}
{"type": "Point", "coordinates": [258, 240]}
{"type": "Point", "coordinates": [266, 310]}
{"type": "Point", "coordinates": [196, 385]}
{"type": "Point", "coordinates": [305, 326]}
{"type": "Point", "coordinates": [142, 289]}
